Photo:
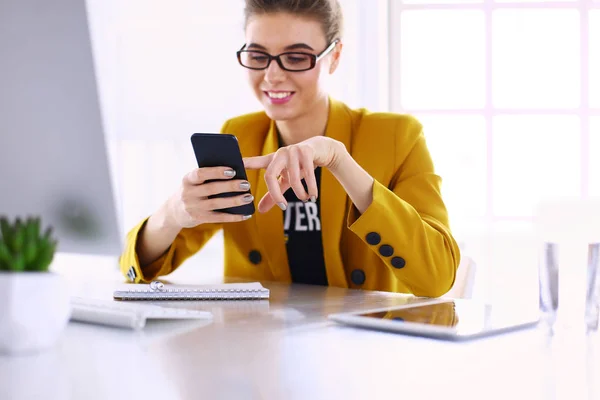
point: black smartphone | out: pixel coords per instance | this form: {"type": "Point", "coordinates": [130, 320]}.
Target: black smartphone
{"type": "Point", "coordinates": [222, 150]}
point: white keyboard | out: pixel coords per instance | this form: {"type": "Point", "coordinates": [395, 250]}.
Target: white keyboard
{"type": "Point", "coordinates": [126, 314]}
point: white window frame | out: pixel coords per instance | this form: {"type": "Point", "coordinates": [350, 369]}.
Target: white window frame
{"type": "Point", "coordinates": [584, 111]}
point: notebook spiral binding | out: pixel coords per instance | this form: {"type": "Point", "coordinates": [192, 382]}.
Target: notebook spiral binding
{"type": "Point", "coordinates": [194, 294]}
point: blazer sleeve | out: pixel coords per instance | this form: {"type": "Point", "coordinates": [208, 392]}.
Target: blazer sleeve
{"type": "Point", "coordinates": [186, 244]}
{"type": "Point", "coordinates": [409, 216]}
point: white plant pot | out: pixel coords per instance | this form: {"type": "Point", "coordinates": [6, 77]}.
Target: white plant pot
{"type": "Point", "coordinates": [34, 310]}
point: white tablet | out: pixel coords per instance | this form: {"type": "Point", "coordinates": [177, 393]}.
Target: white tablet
{"type": "Point", "coordinates": [443, 319]}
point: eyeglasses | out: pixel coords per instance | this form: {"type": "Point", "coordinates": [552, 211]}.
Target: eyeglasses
{"type": "Point", "coordinates": [290, 61]}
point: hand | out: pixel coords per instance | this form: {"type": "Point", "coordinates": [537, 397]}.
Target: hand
{"type": "Point", "coordinates": [289, 165]}
{"type": "Point", "coordinates": [190, 206]}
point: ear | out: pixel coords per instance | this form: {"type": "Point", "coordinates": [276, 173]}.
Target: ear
{"type": "Point", "coordinates": [335, 57]}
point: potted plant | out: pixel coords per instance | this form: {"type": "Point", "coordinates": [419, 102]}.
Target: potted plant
{"type": "Point", "coordinates": [34, 302]}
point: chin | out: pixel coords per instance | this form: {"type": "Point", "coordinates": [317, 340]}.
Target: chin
{"type": "Point", "coordinates": [279, 113]}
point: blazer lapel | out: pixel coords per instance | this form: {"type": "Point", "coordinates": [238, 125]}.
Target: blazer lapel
{"type": "Point", "coordinates": [334, 199]}
{"type": "Point", "coordinates": [270, 224]}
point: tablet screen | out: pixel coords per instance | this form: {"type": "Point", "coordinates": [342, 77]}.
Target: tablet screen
{"type": "Point", "coordinates": [462, 316]}
{"type": "Point", "coordinates": [441, 314]}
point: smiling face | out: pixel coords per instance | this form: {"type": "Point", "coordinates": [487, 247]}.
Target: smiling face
{"type": "Point", "coordinates": [289, 95]}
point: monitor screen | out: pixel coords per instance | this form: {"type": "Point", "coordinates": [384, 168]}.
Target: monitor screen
{"type": "Point", "coordinates": [54, 160]}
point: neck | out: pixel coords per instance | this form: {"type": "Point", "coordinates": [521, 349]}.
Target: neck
{"type": "Point", "coordinates": [313, 123]}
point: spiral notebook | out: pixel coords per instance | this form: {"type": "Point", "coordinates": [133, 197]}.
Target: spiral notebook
{"type": "Point", "coordinates": [225, 291]}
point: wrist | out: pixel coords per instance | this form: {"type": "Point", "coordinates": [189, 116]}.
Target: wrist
{"type": "Point", "coordinates": [339, 159]}
{"type": "Point", "coordinates": [164, 218]}
{"type": "Point", "coordinates": [357, 182]}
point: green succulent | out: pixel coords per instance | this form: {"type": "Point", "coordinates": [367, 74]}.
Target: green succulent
{"type": "Point", "coordinates": [23, 246]}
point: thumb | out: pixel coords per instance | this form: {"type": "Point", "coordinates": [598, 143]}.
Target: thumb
{"type": "Point", "coordinates": [267, 202]}
{"type": "Point", "coordinates": [259, 162]}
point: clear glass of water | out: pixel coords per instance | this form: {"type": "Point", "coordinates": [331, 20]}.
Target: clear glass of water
{"type": "Point", "coordinates": [569, 264]}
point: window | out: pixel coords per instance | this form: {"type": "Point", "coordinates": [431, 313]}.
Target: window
{"type": "Point", "coordinates": [509, 96]}
{"type": "Point", "coordinates": [533, 156]}
{"type": "Point", "coordinates": [452, 39]}
{"type": "Point", "coordinates": [508, 92]}
{"type": "Point", "coordinates": [594, 56]}
{"type": "Point", "coordinates": [535, 59]}
{"type": "Point", "coordinates": [594, 156]}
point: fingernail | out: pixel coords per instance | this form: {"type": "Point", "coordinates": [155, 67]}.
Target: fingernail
{"type": "Point", "coordinates": [245, 217]}
{"type": "Point", "coordinates": [229, 173]}
{"type": "Point", "coordinates": [248, 198]}
{"type": "Point", "coordinates": [313, 199]}
{"type": "Point", "coordinates": [282, 206]}
{"type": "Point", "coordinates": [245, 185]}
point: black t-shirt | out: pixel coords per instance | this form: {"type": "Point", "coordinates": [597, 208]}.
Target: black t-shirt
{"type": "Point", "coordinates": [302, 228]}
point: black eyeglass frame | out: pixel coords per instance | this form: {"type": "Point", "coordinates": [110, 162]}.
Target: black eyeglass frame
{"type": "Point", "coordinates": [313, 57]}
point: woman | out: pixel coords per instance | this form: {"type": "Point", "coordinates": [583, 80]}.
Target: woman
{"type": "Point", "coordinates": [364, 209]}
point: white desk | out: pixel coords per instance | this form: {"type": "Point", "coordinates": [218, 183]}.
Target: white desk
{"type": "Point", "coordinates": [286, 349]}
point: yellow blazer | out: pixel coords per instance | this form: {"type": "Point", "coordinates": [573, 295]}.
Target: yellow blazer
{"type": "Point", "coordinates": [407, 217]}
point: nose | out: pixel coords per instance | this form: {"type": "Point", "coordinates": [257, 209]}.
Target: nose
{"type": "Point", "coordinates": [274, 74]}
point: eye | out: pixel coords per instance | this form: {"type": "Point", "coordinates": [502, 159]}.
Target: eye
{"type": "Point", "coordinates": [296, 58]}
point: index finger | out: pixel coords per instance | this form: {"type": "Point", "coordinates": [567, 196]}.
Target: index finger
{"type": "Point", "coordinates": [258, 162]}
{"type": "Point", "coordinates": [271, 178]}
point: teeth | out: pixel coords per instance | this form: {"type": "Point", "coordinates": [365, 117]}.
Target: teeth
{"type": "Point", "coordinates": [279, 95]}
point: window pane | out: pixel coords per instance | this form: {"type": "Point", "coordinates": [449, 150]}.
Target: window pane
{"type": "Point", "coordinates": [535, 58]}
{"type": "Point", "coordinates": [594, 156]}
{"type": "Point", "coordinates": [595, 58]}
{"type": "Point", "coordinates": [458, 147]}
{"type": "Point", "coordinates": [442, 59]}
{"type": "Point", "coordinates": [534, 156]}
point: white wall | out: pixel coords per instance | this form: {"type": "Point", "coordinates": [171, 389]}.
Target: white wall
{"type": "Point", "coordinates": [168, 69]}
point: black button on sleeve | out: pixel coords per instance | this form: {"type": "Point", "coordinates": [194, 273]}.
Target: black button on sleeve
{"type": "Point", "coordinates": [255, 257]}
{"type": "Point", "coordinates": [373, 238]}
{"type": "Point", "coordinates": [398, 262]}
{"type": "Point", "coordinates": [386, 250]}
{"type": "Point", "coordinates": [358, 276]}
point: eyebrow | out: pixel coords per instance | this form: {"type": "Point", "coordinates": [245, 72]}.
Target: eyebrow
{"type": "Point", "coordinates": [295, 46]}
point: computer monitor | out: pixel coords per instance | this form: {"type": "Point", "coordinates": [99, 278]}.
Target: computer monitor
{"type": "Point", "coordinates": [53, 154]}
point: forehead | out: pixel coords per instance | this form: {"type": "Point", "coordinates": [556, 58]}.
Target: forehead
{"type": "Point", "coordinates": [276, 31]}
